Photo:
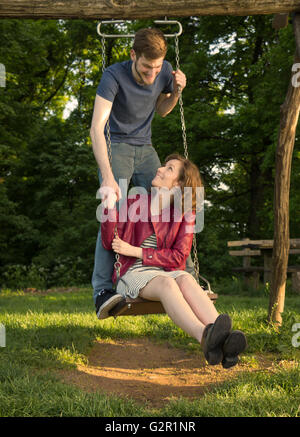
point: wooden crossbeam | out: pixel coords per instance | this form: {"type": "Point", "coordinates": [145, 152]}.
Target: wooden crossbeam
{"type": "Point", "coordinates": [132, 9]}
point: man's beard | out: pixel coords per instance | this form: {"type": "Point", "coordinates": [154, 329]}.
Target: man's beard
{"type": "Point", "coordinates": [139, 74]}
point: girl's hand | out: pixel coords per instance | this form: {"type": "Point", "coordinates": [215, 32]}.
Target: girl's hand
{"type": "Point", "coordinates": [123, 248]}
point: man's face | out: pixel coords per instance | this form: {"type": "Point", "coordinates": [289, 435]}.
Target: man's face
{"type": "Point", "coordinates": [146, 69]}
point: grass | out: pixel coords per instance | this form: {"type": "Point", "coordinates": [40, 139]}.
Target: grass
{"type": "Point", "coordinates": [46, 332]}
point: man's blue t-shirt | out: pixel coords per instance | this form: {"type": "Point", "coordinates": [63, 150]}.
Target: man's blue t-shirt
{"type": "Point", "coordinates": [133, 104]}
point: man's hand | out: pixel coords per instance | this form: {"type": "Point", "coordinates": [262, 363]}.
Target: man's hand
{"type": "Point", "coordinates": [123, 248]}
{"type": "Point", "coordinates": [110, 192]}
{"type": "Point", "coordinates": [179, 81]}
{"type": "Point", "coordinates": [166, 102]}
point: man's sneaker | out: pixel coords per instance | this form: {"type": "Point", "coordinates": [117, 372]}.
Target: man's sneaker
{"type": "Point", "coordinates": [233, 346]}
{"type": "Point", "coordinates": [214, 336]}
{"type": "Point", "coordinates": [105, 301]}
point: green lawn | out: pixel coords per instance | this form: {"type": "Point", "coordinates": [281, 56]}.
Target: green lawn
{"type": "Point", "coordinates": [46, 332]}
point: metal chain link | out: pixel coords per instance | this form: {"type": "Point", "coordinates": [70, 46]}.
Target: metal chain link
{"type": "Point", "coordinates": [186, 155]}
{"type": "Point", "coordinates": [117, 264]}
{"type": "Point", "coordinates": [108, 141]}
{"type": "Point", "coordinates": [181, 102]}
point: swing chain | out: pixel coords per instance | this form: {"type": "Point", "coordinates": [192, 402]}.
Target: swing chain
{"type": "Point", "coordinates": [107, 123]}
{"type": "Point", "coordinates": [117, 264]}
{"type": "Point", "coordinates": [186, 155]}
{"type": "Point", "coordinates": [181, 102]}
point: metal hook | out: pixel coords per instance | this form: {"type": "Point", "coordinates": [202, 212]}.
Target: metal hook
{"type": "Point", "coordinates": [165, 21]}
{"type": "Point", "coordinates": [131, 35]}
{"type": "Point", "coordinates": [115, 35]}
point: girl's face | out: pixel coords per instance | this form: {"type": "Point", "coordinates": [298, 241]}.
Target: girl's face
{"type": "Point", "coordinates": [168, 175]}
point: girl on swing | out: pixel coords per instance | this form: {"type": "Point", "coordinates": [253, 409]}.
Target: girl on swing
{"type": "Point", "coordinates": [153, 251]}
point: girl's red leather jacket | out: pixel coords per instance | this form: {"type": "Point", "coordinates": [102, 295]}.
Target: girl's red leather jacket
{"type": "Point", "coordinates": [135, 223]}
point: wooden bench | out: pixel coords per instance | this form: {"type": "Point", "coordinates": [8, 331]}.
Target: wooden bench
{"type": "Point", "coordinates": [263, 248]}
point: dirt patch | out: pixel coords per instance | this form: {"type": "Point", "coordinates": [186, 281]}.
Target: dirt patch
{"type": "Point", "coordinates": [150, 373]}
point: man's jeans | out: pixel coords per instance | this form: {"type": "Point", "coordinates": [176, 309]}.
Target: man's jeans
{"type": "Point", "coordinates": [136, 163]}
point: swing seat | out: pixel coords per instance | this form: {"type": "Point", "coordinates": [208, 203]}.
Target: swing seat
{"type": "Point", "coordinates": [140, 306]}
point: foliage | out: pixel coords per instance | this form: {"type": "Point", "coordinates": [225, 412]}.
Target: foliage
{"type": "Point", "coordinates": [238, 71]}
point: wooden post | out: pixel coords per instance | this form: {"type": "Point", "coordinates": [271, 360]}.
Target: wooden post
{"type": "Point", "coordinates": [288, 124]}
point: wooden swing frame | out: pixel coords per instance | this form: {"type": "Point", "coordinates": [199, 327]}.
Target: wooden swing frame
{"type": "Point", "coordinates": [289, 111]}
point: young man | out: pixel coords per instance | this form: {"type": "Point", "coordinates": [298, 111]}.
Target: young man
{"type": "Point", "coordinates": [128, 95]}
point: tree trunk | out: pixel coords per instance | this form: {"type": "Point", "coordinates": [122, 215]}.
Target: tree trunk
{"type": "Point", "coordinates": [132, 9]}
{"type": "Point", "coordinates": [284, 152]}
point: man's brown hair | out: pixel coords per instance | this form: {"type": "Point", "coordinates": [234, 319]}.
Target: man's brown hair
{"type": "Point", "coordinates": [151, 43]}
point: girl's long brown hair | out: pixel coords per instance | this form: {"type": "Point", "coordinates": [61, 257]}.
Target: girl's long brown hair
{"type": "Point", "coordinates": [189, 176]}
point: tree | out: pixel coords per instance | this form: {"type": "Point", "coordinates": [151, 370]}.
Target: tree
{"type": "Point", "coordinates": [237, 70]}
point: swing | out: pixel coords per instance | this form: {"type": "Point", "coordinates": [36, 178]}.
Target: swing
{"type": "Point", "coordinates": [140, 306]}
